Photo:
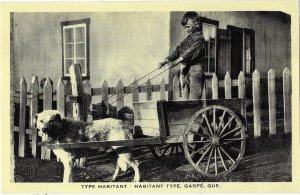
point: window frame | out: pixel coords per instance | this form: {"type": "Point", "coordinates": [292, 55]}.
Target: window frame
{"type": "Point", "coordinates": [214, 23]}
{"type": "Point", "coordinates": [72, 24]}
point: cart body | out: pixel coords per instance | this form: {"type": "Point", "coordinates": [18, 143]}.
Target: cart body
{"type": "Point", "coordinates": [168, 119]}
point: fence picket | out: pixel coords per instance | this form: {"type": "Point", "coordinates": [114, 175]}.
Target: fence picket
{"type": "Point", "coordinates": [135, 91]}
{"type": "Point", "coordinates": [23, 100]}
{"type": "Point", "coordinates": [104, 94]}
{"type": "Point", "coordinates": [256, 103]}
{"type": "Point", "coordinates": [176, 88]}
{"type": "Point", "coordinates": [48, 98]}
{"type": "Point", "coordinates": [203, 96]}
{"type": "Point", "coordinates": [87, 87]}
{"type": "Point", "coordinates": [120, 98]}
{"type": "Point", "coordinates": [47, 95]}
{"type": "Point", "coordinates": [242, 90]}
{"type": "Point", "coordinates": [241, 85]}
{"type": "Point", "coordinates": [215, 87]}
{"type": "Point", "coordinates": [227, 83]}
{"type": "Point", "coordinates": [68, 105]}
{"type": "Point", "coordinates": [77, 90]}
{"type": "Point", "coordinates": [272, 102]}
{"type": "Point", "coordinates": [148, 90]}
{"type": "Point", "coordinates": [33, 112]}
{"type": "Point", "coordinates": [162, 89]}
{"type": "Point", "coordinates": [60, 96]}
{"type": "Point", "coordinates": [287, 91]}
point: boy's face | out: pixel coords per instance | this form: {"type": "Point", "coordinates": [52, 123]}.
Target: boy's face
{"type": "Point", "coordinates": [190, 26]}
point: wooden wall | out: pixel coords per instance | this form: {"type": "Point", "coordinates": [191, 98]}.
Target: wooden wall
{"type": "Point", "coordinates": [122, 44]}
{"type": "Point", "coordinates": [272, 37]}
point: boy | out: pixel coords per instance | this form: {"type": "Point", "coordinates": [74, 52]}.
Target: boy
{"type": "Point", "coordinates": [190, 52]}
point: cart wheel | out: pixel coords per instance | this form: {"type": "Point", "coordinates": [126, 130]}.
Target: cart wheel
{"type": "Point", "coordinates": [214, 141]}
{"type": "Point", "coordinates": [169, 149]}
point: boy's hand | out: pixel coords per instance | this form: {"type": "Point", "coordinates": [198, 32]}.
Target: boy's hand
{"type": "Point", "coordinates": [161, 64]}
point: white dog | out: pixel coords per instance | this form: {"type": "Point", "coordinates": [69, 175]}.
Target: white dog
{"type": "Point", "coordinates": [63, 130]}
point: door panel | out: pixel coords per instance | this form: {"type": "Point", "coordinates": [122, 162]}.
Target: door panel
{"type": "Point", "coordinates": [236, 36]}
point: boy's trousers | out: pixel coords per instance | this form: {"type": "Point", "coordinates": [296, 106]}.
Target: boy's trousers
{"type": "Point", "coordinates": [192, 82]}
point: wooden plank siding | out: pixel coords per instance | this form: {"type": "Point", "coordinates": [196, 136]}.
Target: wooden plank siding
{"type": "Point", "coordinates": [272, 44]}
{"type": "Point", "coordinates": [146, 119]}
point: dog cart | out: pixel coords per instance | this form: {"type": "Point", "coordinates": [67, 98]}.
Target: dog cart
{"type": "Point", "coordinates": [212, 132]}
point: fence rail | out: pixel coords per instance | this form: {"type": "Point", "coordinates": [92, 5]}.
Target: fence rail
{"type": "Point", "coordinates": [214, 89]}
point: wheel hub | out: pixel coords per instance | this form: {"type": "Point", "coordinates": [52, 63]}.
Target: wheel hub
{"type": "Point", "coordinates": [215, 140]}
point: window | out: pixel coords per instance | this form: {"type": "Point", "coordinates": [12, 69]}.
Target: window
{"type": "Point", "coordinates": [75, 46]}
{"type": "Point", "coordinates": [209, 29]}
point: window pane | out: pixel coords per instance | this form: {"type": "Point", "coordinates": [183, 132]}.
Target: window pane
{"type": "Point", "coordinates": [247, 42]}
{"type": "Point", "coordinates": [206, 49]}
{"type": "Point", "coordinates": [69, 51]}
{"type": "Point", "coordinates": [212, 65]}
{"type": "Point", "coordinates": [209, 31]}
{"type": "Point", "coordinates": [80, 34]}
{"type": "Point", "coordinates": [206, 65]}
{"type": "Point", "coordinates": [69, 35]}
{"type": "Point", "coordinates": [82, 64]}
{"type": "Point", "coordinates": [80, 50]}
{"type": "Point", "coordinates": [69, 62]}
{"type": "Point", "coordinates": [212, 50]}
{"type": "Point", "coordinates": [213, 31]}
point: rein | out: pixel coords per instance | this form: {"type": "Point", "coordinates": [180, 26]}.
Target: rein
{"type": "Point", "coordinates": [140, 85]}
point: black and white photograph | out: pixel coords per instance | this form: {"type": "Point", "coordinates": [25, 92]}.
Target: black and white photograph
{"type": "Point", "coordinates": [137, 99]}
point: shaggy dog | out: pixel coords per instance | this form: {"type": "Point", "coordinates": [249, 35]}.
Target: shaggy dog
{"type": "Point", "coordinates": [64, 130]}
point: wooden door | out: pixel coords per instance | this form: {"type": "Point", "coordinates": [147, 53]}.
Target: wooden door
{"type": "Point", "coordinates": [236, 37]}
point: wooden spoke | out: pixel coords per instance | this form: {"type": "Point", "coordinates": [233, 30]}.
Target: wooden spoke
{"type": "Point", "coordinates": [216, 164]}
{"type": "Point", "coordinates": [230, 120]}
{"type": "Point", "coordinates": [201, 126]}
{"type": "Point", "coordinates": [234, 139]}
{"type": "Point", "coordinates": [198, 151]}
{"type": "Point", "coordinates": [208, 125]}
{"type": "Point", "coordinates": [202, 141]}
{"type": "Point", "coordinates": [234, 130]}
{"type": "Point", "coordinates": [167, 148]}
{"type": "Point", "coordinates": [214, 121]}
{"type": "Point", "coordinates": [203, 155]}
{"type": "Point", "coordinates": [221, 121]}
{"type": "Point", "coordinates": [227, 154]}
{"type": "Point", "coordinates": [190, 147]}
{"type": "Point", "coordinates": [172, 149]}
{"type": "Point", "coordinates": [198, 133]}
{"type": "Point", "coordinates": [197, 121]}
{"type": "Point", "coordinates": [181, 147]}
{"type": "Point", "coordinates": [222, 160]}
{"type": "Point", "coordinates": [208, 161]}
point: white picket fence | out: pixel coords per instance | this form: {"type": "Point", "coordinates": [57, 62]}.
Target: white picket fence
{"type": "Point", "coordinates": [62, 96]}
